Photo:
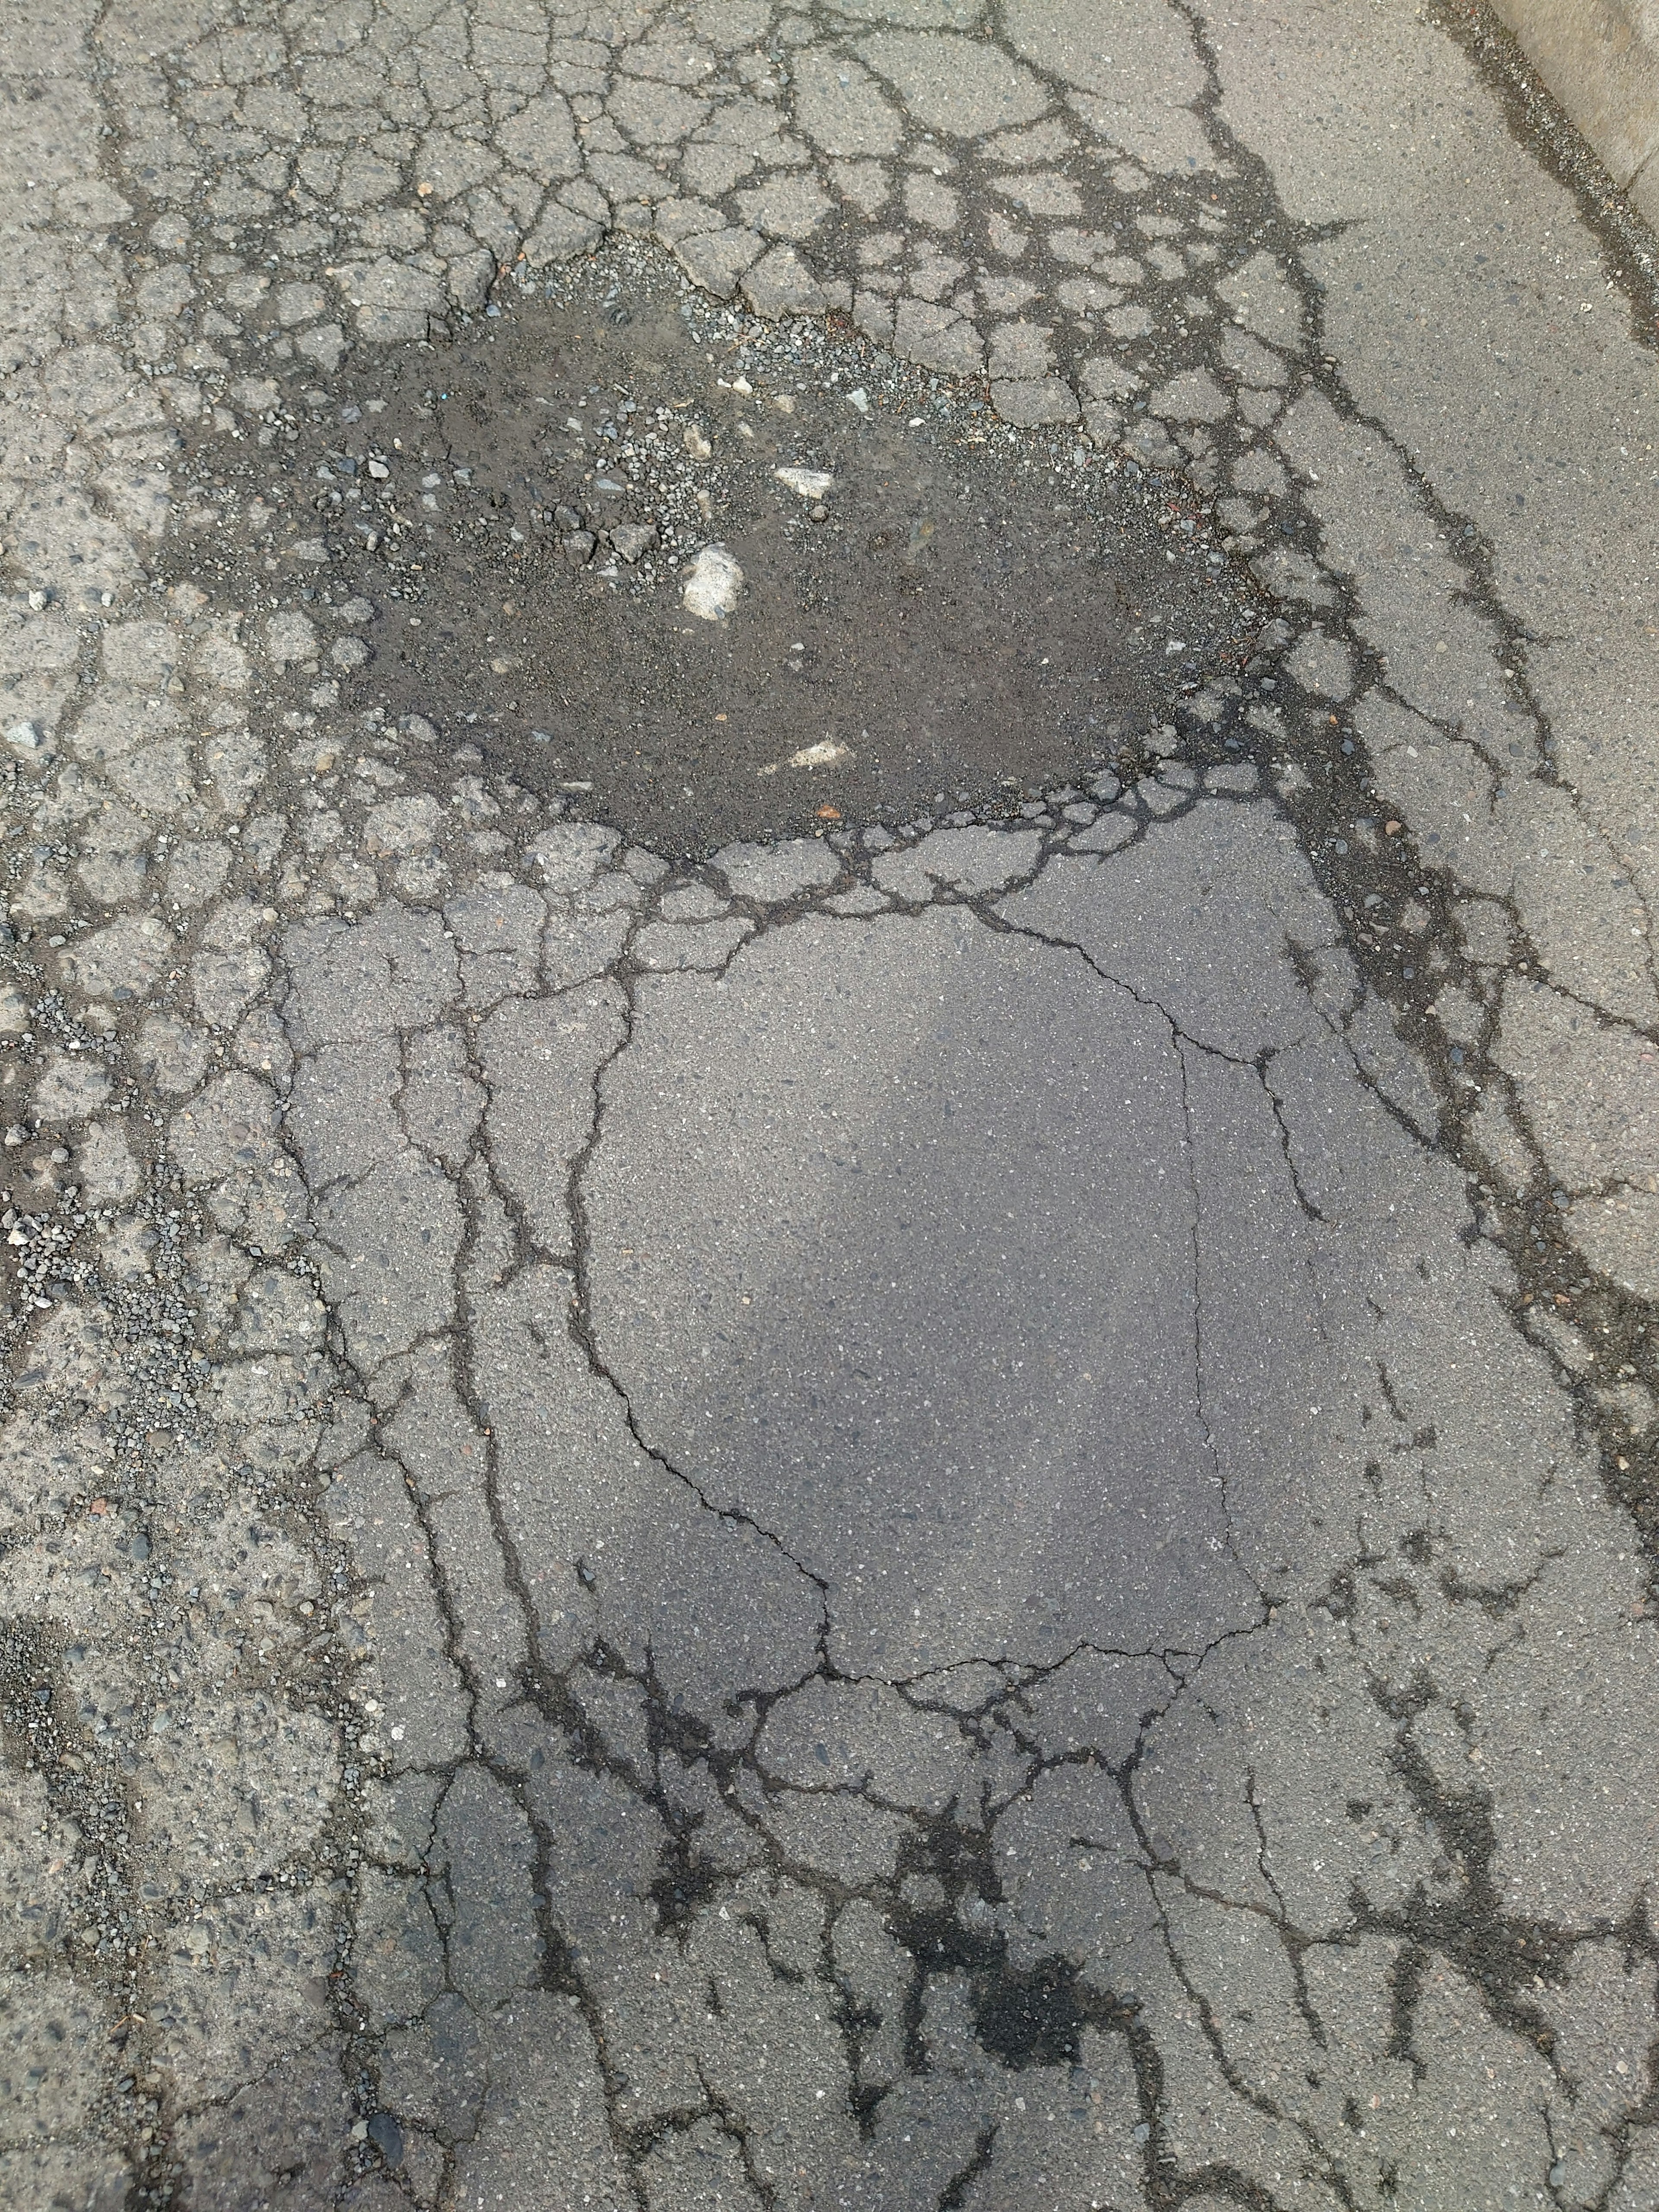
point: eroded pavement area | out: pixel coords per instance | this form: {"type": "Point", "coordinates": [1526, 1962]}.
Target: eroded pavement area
{"type": "Point", "coordinates": [831, 1126]}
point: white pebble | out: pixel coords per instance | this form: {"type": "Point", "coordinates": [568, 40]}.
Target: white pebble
{"type": "Point", "coordinates": [811, 484]}
{"type": "Point", "coordinates": [712, 584]}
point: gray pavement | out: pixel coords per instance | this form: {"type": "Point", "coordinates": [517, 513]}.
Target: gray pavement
{"type": "Point", "coordinates": [947, 1502]}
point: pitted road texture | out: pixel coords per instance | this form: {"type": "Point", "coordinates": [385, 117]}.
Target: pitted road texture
{"type": "Point", "coordinates": [791, 1490]}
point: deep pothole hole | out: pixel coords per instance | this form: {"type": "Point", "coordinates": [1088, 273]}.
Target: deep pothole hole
{"type": "Point", "coordinates": [703, 576]}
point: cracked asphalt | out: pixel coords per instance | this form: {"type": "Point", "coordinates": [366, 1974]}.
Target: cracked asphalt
{"type": "Point", "coordinates": [831, 1119]}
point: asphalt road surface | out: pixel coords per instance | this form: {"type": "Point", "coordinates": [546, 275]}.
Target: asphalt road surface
{"type": "Point", "coordinates": [831, 1120]}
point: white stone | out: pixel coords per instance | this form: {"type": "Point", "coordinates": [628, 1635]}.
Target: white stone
{"type": "Point", "coordinates": [824, 754]}
{"type": "Point", "coordinates": [712, 584]}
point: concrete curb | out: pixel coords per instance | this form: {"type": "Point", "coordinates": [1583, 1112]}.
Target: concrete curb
{"type": "Point", "coordinates": [1601, 60]}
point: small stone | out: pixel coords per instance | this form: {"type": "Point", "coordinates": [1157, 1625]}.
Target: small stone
{"type": "Point", "coordinates": [630, 540]}
{"type": "Point", "coordinates": [712, 584]}
{"type": "Point", "coordinates": [386, 2137]}
{"type": "Point", "coordinates": [811, 484]}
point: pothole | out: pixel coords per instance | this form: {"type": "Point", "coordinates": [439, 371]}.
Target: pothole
{"type": "Point", "coordinates": [914, 603]}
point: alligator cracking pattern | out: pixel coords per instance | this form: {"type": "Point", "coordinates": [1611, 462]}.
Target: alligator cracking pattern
{"type": "Point", "coordinates": [371, 1846]}
{"type": "Point", "coordinates": [581, 1700]}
